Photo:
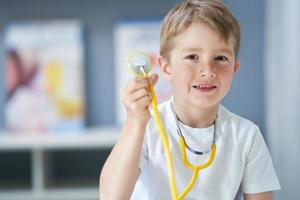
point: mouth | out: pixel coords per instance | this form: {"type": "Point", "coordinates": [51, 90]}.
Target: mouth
{"type": "Point", "coordinates": [206, 87]}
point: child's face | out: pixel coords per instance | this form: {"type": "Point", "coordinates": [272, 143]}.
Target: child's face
{"type": "Point", "coordinates": [201, 66]}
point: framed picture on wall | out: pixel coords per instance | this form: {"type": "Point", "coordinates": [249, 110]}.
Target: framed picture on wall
{"type": "Point", "coordinates": [44, 76]}
{"type": "Point", "coordinates": [136, 36]}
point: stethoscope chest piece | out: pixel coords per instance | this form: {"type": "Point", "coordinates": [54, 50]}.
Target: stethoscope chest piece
{"type": "Point", "coordinates": [139, 63]}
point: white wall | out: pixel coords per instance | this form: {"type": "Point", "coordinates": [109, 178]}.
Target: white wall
{"type": "Point", "coordinates": [282, 78]}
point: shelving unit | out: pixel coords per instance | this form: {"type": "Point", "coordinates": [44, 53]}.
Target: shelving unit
{"type": "Point", "coordinates": [54, 166]}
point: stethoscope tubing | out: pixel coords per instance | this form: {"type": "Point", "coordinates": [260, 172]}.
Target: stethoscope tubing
{"type": "Point", "coordinates": [166, 146]}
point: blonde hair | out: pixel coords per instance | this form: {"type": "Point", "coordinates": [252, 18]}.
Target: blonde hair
{"type": "Point", "coordinates": [210, 12]}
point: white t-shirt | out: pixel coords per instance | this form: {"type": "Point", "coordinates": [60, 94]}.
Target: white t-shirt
{"type": "Point", "coordinates": [242, 163]}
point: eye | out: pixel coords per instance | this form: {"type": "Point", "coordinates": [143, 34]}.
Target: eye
{"type": "Point", "coordinates": [192, 57]}
{"type": "Point", "coordinates": [221, 58]}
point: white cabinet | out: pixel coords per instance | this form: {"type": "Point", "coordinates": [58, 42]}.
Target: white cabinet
{"type": "Point", "coordinates": [59, 166]}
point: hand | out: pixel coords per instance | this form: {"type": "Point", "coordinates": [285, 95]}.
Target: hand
{"type": "Point", "coordinates": [136, 98]}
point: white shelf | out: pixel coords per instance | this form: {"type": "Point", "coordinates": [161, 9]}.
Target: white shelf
{"type": "Point", "coordinates": [91, 138]}
{"type": "Point", "coordinates": [38, 144]}
{"type": "Point", "coordinates": [52, 194]}
{"type": "Point", "coordinates": [17, 195]}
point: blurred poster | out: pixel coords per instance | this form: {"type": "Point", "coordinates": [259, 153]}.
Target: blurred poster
{"type": "Point", "coordinates": [129, 37]}
{"type": "Point", "coordinates": [44, 76]}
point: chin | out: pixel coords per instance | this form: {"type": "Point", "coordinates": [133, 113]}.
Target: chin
{"type": "Point", "coordinates": [205, 103]}
{"type": "Point", "coordinates": [206, 106]}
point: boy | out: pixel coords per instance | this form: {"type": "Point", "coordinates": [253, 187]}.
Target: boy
{"type": "Point", "coordinates": [199, 45]}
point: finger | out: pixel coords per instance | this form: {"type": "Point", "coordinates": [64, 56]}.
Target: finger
{"type": "Point", "coordinates": [153, 79]}
{"type": "Point", "coordinates": [138, 104]}
{"type": "Point", "coordinates": [135, 96]}
{"type": "Point", "coordinates": [136, 84]}
{"type": "Point", "coordinates": [144, 102]}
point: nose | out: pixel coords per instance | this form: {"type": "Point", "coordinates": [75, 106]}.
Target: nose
{"type": "Point", "coordinates": [207, 70]}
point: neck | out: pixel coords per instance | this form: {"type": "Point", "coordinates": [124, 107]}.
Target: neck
{"type": "Point", "coordinates": [196, 117]}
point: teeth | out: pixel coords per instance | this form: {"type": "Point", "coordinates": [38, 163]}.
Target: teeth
{"type": "Point", "coordinates": [205, 86]}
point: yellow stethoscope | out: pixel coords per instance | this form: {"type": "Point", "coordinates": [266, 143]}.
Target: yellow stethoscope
{"type": "Point", "coordinates": [140, 64]}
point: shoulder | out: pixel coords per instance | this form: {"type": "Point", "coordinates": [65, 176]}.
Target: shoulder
{"type": "Point", "coordinates": [241, 132]}
{"type": "Point", "coordinates": [152, 138]}
{"type": "Point", "coordinates": [239, 129]}
{"type": "Point", "coordinates": [237, 123]}
{"type": "Point", "coordinates": [164, 109]}
{"type": "Point", "coordinates": [166, 117]}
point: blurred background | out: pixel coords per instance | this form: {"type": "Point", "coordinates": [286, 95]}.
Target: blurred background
{"type": "Point", "coordinates": [62, 155]}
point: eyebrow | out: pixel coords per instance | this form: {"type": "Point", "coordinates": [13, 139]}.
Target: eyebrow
{"type": "Point", "coordinates": [191, 49]}
{"type": "Point", "coordinates": [224, 50]}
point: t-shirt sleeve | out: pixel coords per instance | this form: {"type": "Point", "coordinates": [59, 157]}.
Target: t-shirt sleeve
{"type": "Point", "coordinates": [259, 174]}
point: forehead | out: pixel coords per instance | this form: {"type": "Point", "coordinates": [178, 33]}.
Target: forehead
{"type": "Point", "coordinates": [202, 36]}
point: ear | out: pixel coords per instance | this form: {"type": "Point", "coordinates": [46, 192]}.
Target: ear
{"type": "Point", "coordinates": [236, 66]}
{"type": "Point", "coordinates": [165, 67]}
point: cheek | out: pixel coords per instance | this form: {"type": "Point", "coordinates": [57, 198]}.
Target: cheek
{"type": "Point", "coordinates": [182, 74]}
{"type": "Point", "coordinates": [226, 79]}
{"type": "Point", "coordinates": [183, 79]}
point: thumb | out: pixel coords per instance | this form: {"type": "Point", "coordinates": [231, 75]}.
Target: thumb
{"type": "Point", "coordinates": [153, 78]}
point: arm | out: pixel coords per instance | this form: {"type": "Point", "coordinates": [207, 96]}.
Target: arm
{"type": "Point", "coordinates": [121, 170]}
{"type": "Point", "coordinates": [258, 196]}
